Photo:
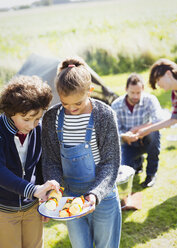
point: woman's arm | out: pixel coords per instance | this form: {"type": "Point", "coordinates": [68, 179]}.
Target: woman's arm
{"type": "Point", "coordinates": [156, 126]}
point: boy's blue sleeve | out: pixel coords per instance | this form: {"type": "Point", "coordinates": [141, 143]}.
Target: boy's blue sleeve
{"type": "Point", "coordinates": [10, 181]}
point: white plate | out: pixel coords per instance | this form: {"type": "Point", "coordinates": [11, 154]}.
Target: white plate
{"type": "Point", "coordinates": [54, 214]}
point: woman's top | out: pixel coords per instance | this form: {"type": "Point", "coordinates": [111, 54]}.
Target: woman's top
{"type": "Point", "coordinates": [108, 143]}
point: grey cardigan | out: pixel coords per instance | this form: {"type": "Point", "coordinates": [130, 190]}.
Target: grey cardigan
{"type": "Point", "coordinates": [108, 144]}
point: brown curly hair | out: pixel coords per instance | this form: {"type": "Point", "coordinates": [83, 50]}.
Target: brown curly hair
{"type": "Point", "coordinates": [24, 93]}
{"type": "Point", "coordinates": [72, 76]}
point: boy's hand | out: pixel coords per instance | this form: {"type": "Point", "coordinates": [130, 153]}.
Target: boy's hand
{"type": "Point", "coordinates": [41, 191]}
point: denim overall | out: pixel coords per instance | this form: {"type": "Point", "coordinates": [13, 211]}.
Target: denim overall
{"type": "Point", "coordinates": [103, 226]}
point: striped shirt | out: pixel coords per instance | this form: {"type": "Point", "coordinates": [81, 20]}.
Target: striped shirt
{"type": "Point", "coordinates": [74, 131]}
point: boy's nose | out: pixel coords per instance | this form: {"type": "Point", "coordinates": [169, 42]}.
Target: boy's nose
{"type": "Point", "coordinates": [31, 125]}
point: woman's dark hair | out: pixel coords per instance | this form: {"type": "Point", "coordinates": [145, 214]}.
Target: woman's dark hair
{"type": "Point", "coordinates": [72, 76]}
{"type": "Point", "coordinates": [159, 68]}
{"type": "Point", "coordinates": [25, 93]}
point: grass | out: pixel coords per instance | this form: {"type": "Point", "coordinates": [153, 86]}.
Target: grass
{"type": "Point", "coordinates": [111, 37]}
{"type": "Point", "coordinates": [56, 235]}
{"type": "Point", "coordinates": [155, 225]}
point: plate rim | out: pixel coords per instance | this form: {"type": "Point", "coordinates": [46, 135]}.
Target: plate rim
{"type": "Point", "coordinates": [62, 218]}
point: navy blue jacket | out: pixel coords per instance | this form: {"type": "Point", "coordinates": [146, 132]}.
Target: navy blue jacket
{"type": "Point", "coordinates": [16, 187]}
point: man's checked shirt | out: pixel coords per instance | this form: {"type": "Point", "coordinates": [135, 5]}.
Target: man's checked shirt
{"type": "Point", "coordinates": [147, 110]}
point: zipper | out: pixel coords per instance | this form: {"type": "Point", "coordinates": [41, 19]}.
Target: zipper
{"type": "Point", "coordinates": [23, 175]}
{"type": "Point", "coordinates": [23, 171]}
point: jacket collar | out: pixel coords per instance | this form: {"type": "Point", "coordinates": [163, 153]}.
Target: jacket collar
{"type": "Point", "coordinates": [8, 122]}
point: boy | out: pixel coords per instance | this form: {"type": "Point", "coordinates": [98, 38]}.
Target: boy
{"type": "Point", "coordinates": [22, 103]}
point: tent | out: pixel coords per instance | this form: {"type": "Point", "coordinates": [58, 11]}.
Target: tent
{"type": "Point", "coordinates": [46, 68]}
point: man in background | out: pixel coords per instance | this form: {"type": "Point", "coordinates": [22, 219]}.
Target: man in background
{"type": "Point", "coordinates": [136, 110]}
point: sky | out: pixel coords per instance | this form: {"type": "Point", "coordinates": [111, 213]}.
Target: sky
{"type": "Point", "coordinates": [11, 3]}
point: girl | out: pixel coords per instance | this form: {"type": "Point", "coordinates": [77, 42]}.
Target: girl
{"type": "Point", "coordinates": [81, 151]}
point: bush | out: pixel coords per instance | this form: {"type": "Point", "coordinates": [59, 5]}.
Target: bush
{"type": "Point", "coordinates": [104, 63]}
{"type": "Point", "coordinates": [5, 75]}
{"type": "Point", "coordinates": [101, 61]}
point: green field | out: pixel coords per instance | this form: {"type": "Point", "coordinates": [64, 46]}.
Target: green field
{"type": "Point", "coordinates": [115, 38]}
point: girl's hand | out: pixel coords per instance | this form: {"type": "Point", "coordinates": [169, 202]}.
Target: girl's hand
{"type": "Point", "coordinates": [91, 202]}
{"type": "Point", "coordinates": [41, 191]}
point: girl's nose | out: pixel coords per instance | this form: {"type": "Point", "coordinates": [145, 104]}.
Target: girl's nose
{"type": "Point", "coordinates": [71, 108]}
